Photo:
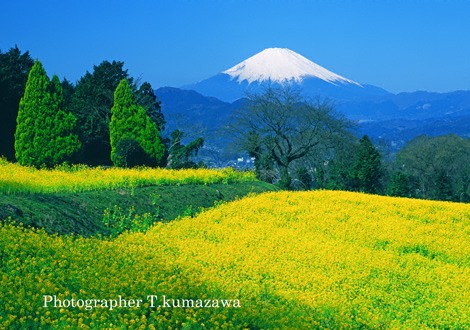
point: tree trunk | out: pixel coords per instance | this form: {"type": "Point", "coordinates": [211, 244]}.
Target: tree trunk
{"type": "Point", "coordinates": [284, 182]}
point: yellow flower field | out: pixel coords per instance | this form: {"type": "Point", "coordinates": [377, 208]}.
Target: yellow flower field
{"type": "Point", "coordinates": [21, 179]}
{"type": "Point", "coordinates": [294, 260]}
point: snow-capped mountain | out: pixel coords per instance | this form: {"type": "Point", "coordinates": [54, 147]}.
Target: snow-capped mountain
{"type": "Point", "coordinates": [282, 65]}
{"type": "Point", "coordinates": [279, 66]}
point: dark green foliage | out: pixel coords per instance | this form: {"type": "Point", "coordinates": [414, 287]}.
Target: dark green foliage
{"type": "Point", "coordinates": [400, 185]}
{"type": "Point", "coordinates": [335, 171]}
{"type": "Point", "coordinates": [91, 104]}
{"type": "Point", "coordinates": [367, 171]}
{"type": "Point", "coordinates": [303, 180]}
{"type": "Point", "coordinates": [439, 167]}
{"type": "Point", "coordinates": [132, 154]}
{"type": "Point", "coordinates": [263, 161]}
{"type": "Point", "coordinates": [145, 97]}
{"type": "Point", "coordinates": [130, 121]}
{"type": "Point", "coordinates": [44, 133]}
{"type": "Point", "coordinates": [92, 101]}
{"type": "Point", "coordinates": [14, 70]}
{"type": "Point", "coordinates": [338, 176]}
{"type": "Point", "coordinates": [179, 155]}
{"type": "Point", "coordinates": [443, 186]}
{"type": "Point", "coordinates": [68, 89]}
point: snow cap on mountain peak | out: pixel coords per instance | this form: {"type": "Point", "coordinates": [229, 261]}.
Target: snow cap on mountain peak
{"type": "Point", "coordinates": [282, 65]}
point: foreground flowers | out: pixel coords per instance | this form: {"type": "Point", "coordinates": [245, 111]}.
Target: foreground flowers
{"type": "Point", "coordinates": [293, 260]}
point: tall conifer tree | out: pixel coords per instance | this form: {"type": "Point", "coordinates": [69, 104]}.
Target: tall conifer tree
{"type": "Point", "coordinates": [131, 126]}
{"type": "Point", "coordinates": [367, 171]}
{"type": "Point", "coordinates": [44, 133]}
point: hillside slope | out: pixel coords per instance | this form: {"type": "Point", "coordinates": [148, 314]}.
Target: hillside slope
{"type": "Point", "coordinates": [293, 260]}
{"type": "Point", "coordinates": [81, 213]}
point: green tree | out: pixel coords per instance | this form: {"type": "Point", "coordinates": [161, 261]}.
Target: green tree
{"type": "Point", "coordinates": [400, 185]}
{"type": "Point", "coordinates": [367, 171]}
{"type": "Point", "coordinates": [14, 70]}
{"type": "Point", "coordinates": [68, 89]}
{"type": "Point", "coordinates": [91, 104]}
{"type": "Point", "coordinates": [443, 189]}
{"type": "Point", "coordinates": [130, 122]}
{"type": "Point", "coordinates": [438, 166]}
{"type": "Point", "coordinates": [287, 129]}
{"type": "Point", "coordinates": [44, 133]}
{"type": "Point", "coordinates": [146, 97]}
{"type": "Point", "coordinates": [92, 101]}
{"type": "Point", "coordinates": [179, 155]}
{"type": "Point", "coordinates": [335, 167]}
{"type": "Point", "coordinates": [263, 162]}
{"type": "Point", "coordinates": [303, 180]}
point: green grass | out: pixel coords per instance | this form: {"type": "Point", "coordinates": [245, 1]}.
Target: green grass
{"type": "Point", "coordinates": [81, 213]}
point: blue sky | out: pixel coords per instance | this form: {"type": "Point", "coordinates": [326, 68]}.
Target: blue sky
{"type": "Point", "coordinates": [398, 45]}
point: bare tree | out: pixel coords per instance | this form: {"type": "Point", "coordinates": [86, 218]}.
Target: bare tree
{"type": "Point", "coordinates": [279, 127]}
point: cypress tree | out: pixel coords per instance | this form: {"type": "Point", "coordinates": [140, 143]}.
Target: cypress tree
{"type": "Point", "coordinates": [44, 133]}
{"type": "Point", "coordinates": [63, 143]}
{"type": "Point", "coordinates": [130, 126]}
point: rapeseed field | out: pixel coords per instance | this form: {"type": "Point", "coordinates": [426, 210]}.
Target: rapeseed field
{"type": "Point", "coordinates": [21, 179]}
{"type": "Point", "coordinates": [292, 260]}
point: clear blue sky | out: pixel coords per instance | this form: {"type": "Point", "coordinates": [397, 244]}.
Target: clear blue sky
{"type": "Point", "coordinates": [400, 45]}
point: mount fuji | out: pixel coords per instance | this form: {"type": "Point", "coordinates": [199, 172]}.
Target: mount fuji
{"type": "Point", "coordinates": [206, 106]}
{"type": "Point", "coordinates": [282, 66]}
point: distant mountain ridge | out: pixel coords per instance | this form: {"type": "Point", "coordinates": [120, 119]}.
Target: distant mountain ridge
{"type": "Point", "coordinates": [182, 106]}
{"type": "Point", "coordinates": [411, 106]}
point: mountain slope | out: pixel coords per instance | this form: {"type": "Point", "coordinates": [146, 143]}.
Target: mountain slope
{"type": "Point", "coordinates": [189, 110]}
{"type": "Point", "coordinates": [281, 66]}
